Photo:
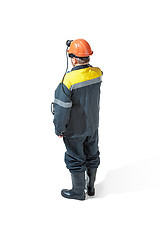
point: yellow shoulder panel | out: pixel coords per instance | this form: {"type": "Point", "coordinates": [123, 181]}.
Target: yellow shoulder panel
{"type": "Point", "coordinates": [66, 81]}
{"type": "Point", "coordinates": [81, 75]}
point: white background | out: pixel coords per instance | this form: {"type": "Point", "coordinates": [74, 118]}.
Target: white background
{"type": "Point", "coordinates": [125, 37]}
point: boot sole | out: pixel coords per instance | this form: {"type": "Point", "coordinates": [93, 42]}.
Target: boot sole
{"type": "Point", "coordinates": [91, 194]}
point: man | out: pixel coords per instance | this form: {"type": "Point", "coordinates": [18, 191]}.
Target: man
{"type": "Point", "coordinates": [76, 119]}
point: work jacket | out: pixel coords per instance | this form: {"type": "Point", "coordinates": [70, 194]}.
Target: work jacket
{"type": "Point", "coordinates": [76, 103]}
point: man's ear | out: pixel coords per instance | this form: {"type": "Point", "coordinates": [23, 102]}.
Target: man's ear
{"type": "Point", "coordinates": [74, 61]}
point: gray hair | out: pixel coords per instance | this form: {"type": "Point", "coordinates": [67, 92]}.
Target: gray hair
{"type": "Point", "coordinates": [83, 60]}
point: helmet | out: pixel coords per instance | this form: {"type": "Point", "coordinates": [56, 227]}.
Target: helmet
{"type": "Point", "coordinates": [80, 48]}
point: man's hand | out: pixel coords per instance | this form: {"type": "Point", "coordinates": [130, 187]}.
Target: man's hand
{"type": "Point", "coordinates": [60, 136]}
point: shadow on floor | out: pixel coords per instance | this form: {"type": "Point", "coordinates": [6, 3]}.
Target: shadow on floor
{"type": "Point", "coordinates": [133, 177]}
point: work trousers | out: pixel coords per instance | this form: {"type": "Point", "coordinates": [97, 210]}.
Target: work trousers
{"type": "Point", "coordinates": [82, 153]}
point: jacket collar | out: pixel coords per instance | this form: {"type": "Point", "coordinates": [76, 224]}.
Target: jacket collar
{"type": "Point", "coordinates": [81, 67]}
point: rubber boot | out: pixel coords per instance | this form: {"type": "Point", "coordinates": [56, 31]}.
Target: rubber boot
{"type": "Point", "coordinates": [78, 185]}
{"type": "Point", "coordinates": [91, 172]}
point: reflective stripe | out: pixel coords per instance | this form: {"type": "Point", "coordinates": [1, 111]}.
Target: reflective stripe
{"type": "Point", "coordinates": [86, 83]}
{"type": "Point", "coordinates": [63, 104]}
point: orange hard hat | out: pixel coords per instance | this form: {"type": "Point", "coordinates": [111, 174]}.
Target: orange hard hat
{"type": "Point", "coordinates": [80, 48]}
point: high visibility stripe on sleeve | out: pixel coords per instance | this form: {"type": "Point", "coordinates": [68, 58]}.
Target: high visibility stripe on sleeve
{"type": "Point", "coordinates": [63, 104]}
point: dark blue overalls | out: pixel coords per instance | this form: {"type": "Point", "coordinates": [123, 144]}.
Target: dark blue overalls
{"type": "Point", "coordinates": [76, 116]}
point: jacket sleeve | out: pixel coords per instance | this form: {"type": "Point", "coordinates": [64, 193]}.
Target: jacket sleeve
{"type": "Point", "coordinates": [62, 107]}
